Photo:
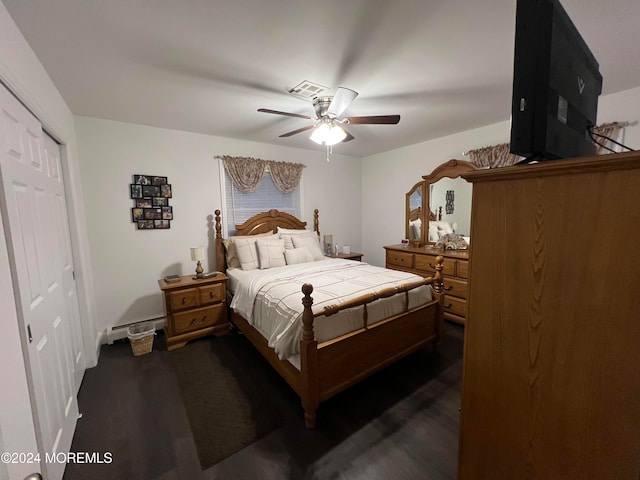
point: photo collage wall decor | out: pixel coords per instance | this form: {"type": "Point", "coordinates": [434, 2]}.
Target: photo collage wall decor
{"type": "Point", "coordinates": [151, 195]}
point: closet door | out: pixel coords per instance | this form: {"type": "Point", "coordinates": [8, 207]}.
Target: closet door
{"type": "Point", "coordinates": [32, 198]}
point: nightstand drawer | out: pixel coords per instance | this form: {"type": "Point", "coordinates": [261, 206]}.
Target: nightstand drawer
{"type": "Point", "coordinates": [198, 318]}
{"type": "Point", "coordinates": [185, 298]}
{"type": "Point", "coordinates": [400, 259]}
{"type": "Point", "coordinates": [428, 263]}
{"type": "Point", "coordinates": [212, 293]}
{"type": "Point", "coordinates": [455, 288]}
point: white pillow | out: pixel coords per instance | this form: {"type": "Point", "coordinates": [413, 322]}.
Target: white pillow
{"type": "Point", "coordinates": [310, 242]}
{"type": "Point", "coordinates": [298, 255]}
{"type": "Point", "coordinates": [270, 252]}
{"type": "Point", "coordinates": [287, 233]}
{"type": "Point", "coordinates": [247, 253]}
{"type": "Point", "coordinates": [230, 248]}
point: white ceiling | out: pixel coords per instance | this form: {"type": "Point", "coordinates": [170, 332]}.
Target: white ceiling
{"type": "Point", "coordinates": [207, 65]}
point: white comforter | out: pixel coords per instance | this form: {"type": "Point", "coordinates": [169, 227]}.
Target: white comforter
{"type": "Point", "coordinates": [271, 299]}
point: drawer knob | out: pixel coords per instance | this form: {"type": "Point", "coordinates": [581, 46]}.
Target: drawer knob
{"type": "Point", "coordinates": [184, 300]}
{"type": "Point", "coordinates": [204, 318]}
{"type": "Point", "coordinates": [448, 305]}
{"type": "Point", "coordinates": [448, 288]}
{"type": "Point", "coordinates": [210, 294]}
{"type": "Point", "coordinates": [193, 320]}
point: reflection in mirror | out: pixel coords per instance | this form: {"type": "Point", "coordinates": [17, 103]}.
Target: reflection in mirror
{"type": "Point", "coordinates": [448, 201]}
{"type": "Point", "coordinates": [453, 195]}
{"type": "Point", "coordinates": [414, 207]}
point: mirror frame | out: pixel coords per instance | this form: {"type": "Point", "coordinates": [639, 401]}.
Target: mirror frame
{"type": "Point", "coordinates": [419, 185]}
{"type": "Point", "coordinates": [451, 169]}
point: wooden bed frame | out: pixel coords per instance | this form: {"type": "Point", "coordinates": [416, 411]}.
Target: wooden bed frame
{"type": "Point", "coordinates": [329, 367]}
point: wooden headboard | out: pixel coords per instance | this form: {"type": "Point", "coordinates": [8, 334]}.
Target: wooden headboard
{"type": "Point", "coordinates": [260, 223]}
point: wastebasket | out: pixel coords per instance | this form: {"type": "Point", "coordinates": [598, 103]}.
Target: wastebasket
{"type": "Point", "coordinates": [141, 338]}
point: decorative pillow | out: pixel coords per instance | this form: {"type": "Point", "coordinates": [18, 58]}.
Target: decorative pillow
{"type": "Point", "coordinates": [311, 243]}
{"type": "Point", "coordinates": [247, 253]}
{"type": "Point", "coordinates": [452, 241]}
{"type": "Point", "coordinates": [270, 252]}
{"type": "Point", "coordinates": [287, 233]}
{"type": "Point", "coordinates": [230, 248]}
{"type": "Point", "coordinates": [433, 233]}
{"type": "Point", "coordinates": [298, 255]}
{"type": "Point", "coordinates": [443, 227]}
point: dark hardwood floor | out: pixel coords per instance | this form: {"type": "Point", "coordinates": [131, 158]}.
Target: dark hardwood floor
{"type": "Point", "coordinates": [402, 423]}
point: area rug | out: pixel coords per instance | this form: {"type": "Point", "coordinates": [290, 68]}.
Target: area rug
{"type": "Point", "coordinates": [224, 384]}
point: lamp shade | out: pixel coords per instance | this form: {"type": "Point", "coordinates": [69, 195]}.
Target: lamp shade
{"type": "Point", "coordinates": [197, 253]}
{"type": "Point", "coordinates": [327, 134]}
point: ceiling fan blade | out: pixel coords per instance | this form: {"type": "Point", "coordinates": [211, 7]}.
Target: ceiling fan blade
{"type": "Point", "coordinates": [349, 137]}
{"type": "Point", "coordinates": [300, 130]}
{"type": "Point", "coordinates": [341, 100]}
{"type": "Point", "coordinates": [374, 120]}
{"type": "Point", "coordinates": [286, 114]}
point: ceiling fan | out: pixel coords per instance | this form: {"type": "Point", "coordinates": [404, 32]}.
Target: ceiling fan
{"type": "Point", "coordinates": [327, 124]}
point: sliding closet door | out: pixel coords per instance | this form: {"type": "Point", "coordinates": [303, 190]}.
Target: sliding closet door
{"type": "Point", "coordinates": [32, 202]}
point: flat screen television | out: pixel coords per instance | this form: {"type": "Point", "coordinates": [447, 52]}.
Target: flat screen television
{"type": "Point", "coordinates": [556, 85]}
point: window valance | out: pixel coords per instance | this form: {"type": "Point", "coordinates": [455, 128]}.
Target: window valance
{"type": "Point", "coordinates": [247, 173]}
{"type": "Point", "coordinates": [499, 155]}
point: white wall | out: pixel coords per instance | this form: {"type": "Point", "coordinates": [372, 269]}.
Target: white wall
{"type": "Point", "coordinates": [387, 177]}
{"type": "Point", "coordinates": [127, 262]}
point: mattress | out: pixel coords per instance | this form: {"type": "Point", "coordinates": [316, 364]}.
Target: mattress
{"type": "Point", "coordinates": [271, 299]}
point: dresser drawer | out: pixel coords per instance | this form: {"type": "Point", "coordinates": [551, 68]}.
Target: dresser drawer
{"type": "Point", "coordinates": [185, 298]}
{"type": "Point", "coordinates": [212, 293]}
{"type": "Point", "coordinates": [457, 306]}
{"type": "Point", "coordinates": [399, 259]}
{"type": "Point", "coordinates": [427, 263]}
{"type": "Point", "coordinates": [463, 269]}
{"type": "Point", "coordinates": [198, 318]}
{"type": "Point", "coordinates": [455, 288]}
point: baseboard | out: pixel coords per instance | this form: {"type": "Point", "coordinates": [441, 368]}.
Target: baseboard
{"type": "Point", "coordinates": [118, 332]}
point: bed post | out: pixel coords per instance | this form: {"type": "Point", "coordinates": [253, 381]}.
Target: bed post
{"type": "Point", "coordinates": [220, 258]}
{"type": "Point", "coordinates": [438, 292]}
{"type": "Point", "coordinates": [316, 222]}
{"type": "Point", "coordinates": [309, 360]}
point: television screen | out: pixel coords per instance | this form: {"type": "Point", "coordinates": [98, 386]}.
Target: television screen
{"type": "Point", "coordinates": [556, 85]}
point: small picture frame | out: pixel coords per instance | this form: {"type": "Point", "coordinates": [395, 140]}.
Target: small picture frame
{"type": "Point", "coordinates": [160, 202]}
{"type": "Point", "coordinates": [137, 214]}
{"type": "Point", "coordinates": [142, 179]}
{"type": "Point", "coordinates": [167, 213]}
{"type": "Point", "coordinates": [144, 203]}
{"type": "Point", "coordinates": [135, 190]}
{"type": "Point", "coordinates": [150, 190]}
{"type": "Point", "coordinates": [146, 224]}
{"type": "Point", "coordinates": [152, 213]}
{"type": "Point", "coordinates": [159, 181]}
{"type": "Point", "coordinates": [165, 191]}
{"type": "Point", "coordinates": [161, 224]}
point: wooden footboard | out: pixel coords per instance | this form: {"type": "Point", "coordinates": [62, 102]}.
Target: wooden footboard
{"type": "Point", "coordinates": [334, 365]}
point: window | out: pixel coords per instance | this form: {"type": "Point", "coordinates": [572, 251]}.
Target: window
{"type": "Point", "coordinates": [239, 207]}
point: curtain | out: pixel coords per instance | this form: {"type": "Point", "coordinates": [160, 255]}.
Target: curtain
{"type": "Point", "coordinates": [247, 173]}
{"type": "Point", "coordinates": [286, 175]}
{"type": "Point", "coordinates": [611, 130]}
{"type": "Point", "coordinates": [493, 156]}
{"type": "Point", "coordinates": [500, 156]}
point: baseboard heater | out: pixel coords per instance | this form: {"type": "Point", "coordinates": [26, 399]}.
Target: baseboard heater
{"type": "Point", "coordinates": [118, 332]}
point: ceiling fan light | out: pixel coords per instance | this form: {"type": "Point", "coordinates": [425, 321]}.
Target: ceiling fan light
{"type": "Point", "coordinates": [326, 134]}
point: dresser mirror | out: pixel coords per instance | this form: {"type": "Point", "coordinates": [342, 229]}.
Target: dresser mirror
{"type": "Point", "coordinates": [447, 201]}
{"type": "Point", "coordinates": [415, 207]}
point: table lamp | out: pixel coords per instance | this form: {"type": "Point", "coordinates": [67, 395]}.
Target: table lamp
{"type": "Point", "coordinates": [197, 254]}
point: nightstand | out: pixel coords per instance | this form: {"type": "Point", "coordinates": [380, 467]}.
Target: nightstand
{"type": "Point", "coordinates": [194, 309]}
{"type": "Point", "coordinates": [349, 256]}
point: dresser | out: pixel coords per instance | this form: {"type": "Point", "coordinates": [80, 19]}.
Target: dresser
{"type": "Point", "coordinates": [422, 261]}
{"type": "Point", "coordinates": [194, 308]}
{"type": "Point", "coordinates": [551, 385]}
